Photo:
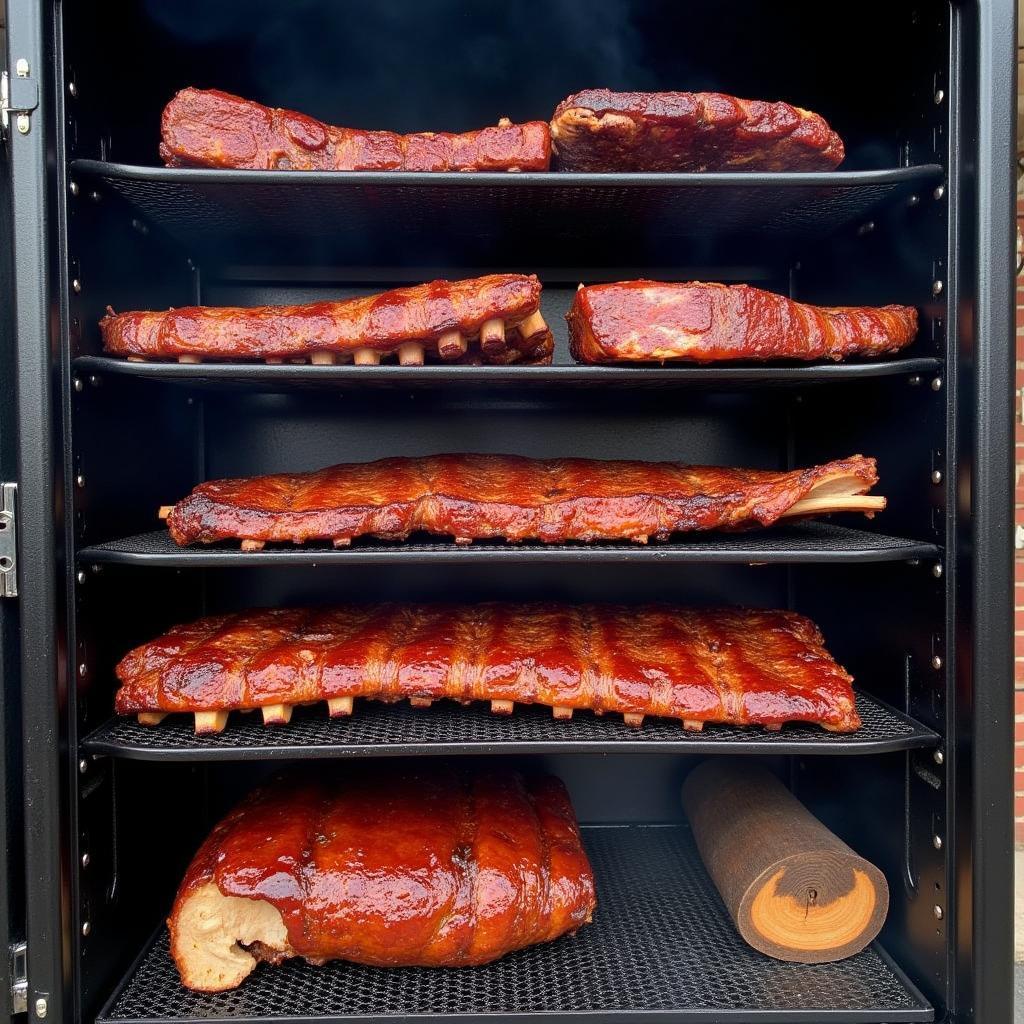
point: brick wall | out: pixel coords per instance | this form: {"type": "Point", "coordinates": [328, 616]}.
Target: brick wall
{"type": "Point", "coordinates": [1018, 589]}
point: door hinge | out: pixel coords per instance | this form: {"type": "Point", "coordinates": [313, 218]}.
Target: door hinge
{"type": "Point", "coordinates": [18, 96]}
{"type": "Point", "coordinates": [8, 540]}
{"type": "Point", "coordinates": [19, 977]}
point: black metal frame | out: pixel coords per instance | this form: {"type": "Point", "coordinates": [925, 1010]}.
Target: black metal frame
{"type": "Point", "coordinates": [974, 808]}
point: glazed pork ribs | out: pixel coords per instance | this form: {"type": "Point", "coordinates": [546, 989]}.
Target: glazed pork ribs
{"type": "Point", "coordinates": [492, 319]}
{"type": "Point", "coordinates": [209, 128]}
{"type": "Point", "coordinates": [395, 868]}
{"type": "Point", "coordinates": [649, 321]}
{"type": "Point", "coordinates": [600, 130]}
{"type": "Point", "coordinates": [734, 666]}
{"type": "Point", "coordinates": [479, 497]}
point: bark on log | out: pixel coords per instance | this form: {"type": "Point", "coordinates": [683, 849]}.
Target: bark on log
{"type": "Point", "coordinates": [793, 889]}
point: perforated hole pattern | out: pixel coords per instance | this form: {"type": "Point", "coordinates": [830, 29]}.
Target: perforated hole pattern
{"type": "Point", "coordinates": [376, 729]}
{"type": "Point", "coordinates": [660, 940]}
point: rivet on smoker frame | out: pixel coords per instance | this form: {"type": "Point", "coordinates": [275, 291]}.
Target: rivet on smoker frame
{"type": "Point", "coordinates": [86, 860]}
{"type": "Point", "coordinates": [24, 125]}
{"type": "Point", "coordinates": [95, 380]}
{"type": "Point", "coordinates": [80, 576]}
{"type": "Point", "coordinates": [83, 766]}
{"type": "Point", "coordinates": [41, 1007]}
{"type": "Point", "coordinates": [86, 928]}
{"type": "Point", "coordinates": [940, 191]}
{"type": "Point", "coordinates": [914, 381]}
{"type": "Point", "coordinates": [937, 842]}
{"type": "Point", "coordinates": [76, 285]}
{"type": "Point", "coordinates": [940, 95]}
{"type": "Point", "coordinates": [77, 384]}
{"type": "Point", "coordinates": [913, 200]}
{"type": "Point", "coordinates": [937, 911]}
{"type": "Point", "coordinates": [936, 288]}
{"type": "Point", "coordinates": [94, 196]}
{"type": "Point", "coordinates": [80, 479]}
{"type": "Point", "coordinates": [936, 476]}
{"type": "Point", "coordinates": [936, 383]}
{"type": "Point", "coordinates": [938, 757]}
{"type": "Point", "coordinates": [73, 188]}
{"type": "Point", "coordinates": [937, 570]}
{"type": "Point", "coordinates": [83, 670]}
{"type": "Point", "coordinates": [21, 68]}
{"type": "Point", "coordinates": [936, 662]}
{"type": "Point", "coordinates": [72, 89]}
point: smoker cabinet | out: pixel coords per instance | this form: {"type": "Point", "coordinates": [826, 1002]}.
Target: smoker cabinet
{"type": "Point", "coordinates": [100, 816]}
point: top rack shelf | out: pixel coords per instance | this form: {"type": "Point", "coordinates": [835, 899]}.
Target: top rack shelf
{"type": "Point", "coordinates": [323, 217]}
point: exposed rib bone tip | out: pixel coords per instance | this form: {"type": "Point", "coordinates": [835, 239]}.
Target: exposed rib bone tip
{"type": "Point", "coordinates": [277, 714]}
{"type": "Point", "coordinates": [692, 725]}
{"type": "Point", "coordinates": [633, 719]}
{"type": "Point", "coordinates": [366, 357]}
{"type": "Point", "coordinates": [774, 727]}
{"type": "Point", "coordinates": [463, 541]}
{"type": "Point", "coordinates": [253, 545]}
{"type": "Point", "coordinates": [492, 335]}
{"type": "Point", "coordinates": [189, 359]}
{"type": "Point", "coordinates": [562, 713]}
{"type": "Point", "coordinates": [502, 707]}
{"type": "Point", "coordinates": [164, 511]}
{"type": "Point", "coordinates": [451, 345]}
{"type": "Point", "coordinates": [211, 721]}
{"type": "Point", "coordinates": [533, 325]}
{"type": "Point", "coordinates": [338, 706]}
{"type": "Point", "coordinates": [341, 542]}
{"type": "Point", "coordinates": [151, 717]}
{"type": "Point", "coordinates": [136, 359]}
{"type": "Point", "coordinates": [322, 358]}
{"type": "Point", "coordinates": [421, 702]}
{"type": "Point", "coordinates": [410, 354]}
{"type": "Point", "coordinates": [274, 362]}
{"type": "Point", "coordinates": [504, 122]}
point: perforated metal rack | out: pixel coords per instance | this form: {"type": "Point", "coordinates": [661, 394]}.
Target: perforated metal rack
{"type": "Point", "coordinates": [661, 945]}
{"type": "Point", "coordinates": [377, 730]}
{"type": "Point", "coordinates": [802, 542]}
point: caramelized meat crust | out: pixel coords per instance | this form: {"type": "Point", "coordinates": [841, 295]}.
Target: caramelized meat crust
{"type": "Point", "coordinates": [601, 130]}
{"type": "Point", "coordinates": [411, 867]}
{"type": "Point", "coordinates": [648, 321]}
{"type": "Point", "coordinates": [506, 496]}
{"type": "Point", "coordinates": [380, 324]}
{"type": "Point", "coordinates": [209, 128]}
{"type": "Point", "coordinates": [730, 665]}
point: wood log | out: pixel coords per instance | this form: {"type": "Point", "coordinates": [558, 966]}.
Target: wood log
{"type": "Point", "coordinates": [793, 889]}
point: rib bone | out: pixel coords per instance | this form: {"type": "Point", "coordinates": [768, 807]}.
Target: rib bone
{"type": "Point", "coordinates": [492, 336]}
{"type": "Point", "coordinates": [634, 720]}
{"type": "Point", "coordinates": [410, 354]}
{"type": "Point", "coordinates": [451, 345]}
{"type": "Point", "coordinates": [502, 707]}
{"type": "Point", "coordinates": [366, 357]}
{"type": "Point", "coordinates": [189, 359]}
{"type": "Point", "coordinates": [322, 358]}
{"type": "Point", "coordinates": [421, 702]}
{"type": "Point", "coordinates": [211, 721]}
{"type": "Point", "coordinates": [338, 706]}
{"type": "Point", "coordinates": [562, 713]}
{"type": "Point", "coordinates": [533, 325]}
{"type": "Point", "coordinates": [253, 545]}
{"type": "Point", "coordinates": [151, 717]}
{"type": "Point", "coordinates": [277, 714]}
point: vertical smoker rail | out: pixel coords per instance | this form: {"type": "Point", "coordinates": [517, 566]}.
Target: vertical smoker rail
{"type": "Point", "coordinates": [991, 490]}
{"type": "Point", "coordinates": [38, 464]}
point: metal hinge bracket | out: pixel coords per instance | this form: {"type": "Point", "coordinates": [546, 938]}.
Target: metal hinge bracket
{"type": "Point", "coordinates": [19, 977]}
{"type": "Point", "coordinates": [18, 96]}
{"type": "Point", "coordinates": [8, 540]}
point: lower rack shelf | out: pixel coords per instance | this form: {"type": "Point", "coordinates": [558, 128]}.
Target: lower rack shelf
{"type": "Point", "coordinates": [378, 729]}
{"type": "Point", "coordinates": [661, 948]}
{"type": "Point", "coordinates": [795, 543]}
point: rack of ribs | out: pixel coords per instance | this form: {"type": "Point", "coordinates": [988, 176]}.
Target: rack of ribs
{"type": "Point", "coordinates": [480, 497]}
{"type": "Point", "coordinates": [648, 321]}
{"type": "Point", "coordinates": [732, 666]}
{"type": "Point", "coordinates": [492, 319]}
{"type": "Point", "coordinates": [601, 130]}
{"type": "Point", "coordinates": [209, 128]}
{"type": "Point", "coordinates": [422, 867]}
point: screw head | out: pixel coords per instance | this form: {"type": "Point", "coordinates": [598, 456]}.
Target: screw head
{"type": "Point", "coordinates": [940, 191]}
{"type": "Point", "coordinates": [83, 670]}
{"type": "Point", "coordinates": [936, 476]}
{"type": "Point", "coordinates": [938, 757]}
{"type": "Point", "coordinates": [937, 842]}
{"type": "Point", "coordinates": [86, 860]}
{"type": "Point", "coordinates": [23, 124]}
{"type": "Point", "coordinates": [936, 662]}
{"type": "Point", "coordinates": [937, 570]}
{"type": "Point", "coordinates": [936, 288]}
{"type": "Point", "coordinates": [21, 68]}
{"type": "Point", "coordinates": [83, 766]}
{"type": "Point", "coordinates": [73, 188]}
{"type": "Point", "coordinates": [914, 381]}
{"type": "Point", "coordinates": [41, 1007]}
{"type": "Point", "coordinates": [94, 380]}
{"type": "Point", "coordinates": [77, 384]}
{"type": "Point", "coordinates": [940, 95]}
{"type": "Point", "coordinates": [94, 196]}
{"type": "Point", "coordinates": [936, 384]}
{"type": "Point", "coordinates": [80, 576]}
{"type": "Point", "coordinates": [72, 88]}
{"type": "Point", "coordinates": [937, 911]}
{"type": "Point", "coordinates": [86, 928]}
{"type": "Point", "coordinates": [80, 479]}
{"type": "Point", "coordinates": [913, 200]}
{"type": "Point", "coordinates": [76, 285]}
